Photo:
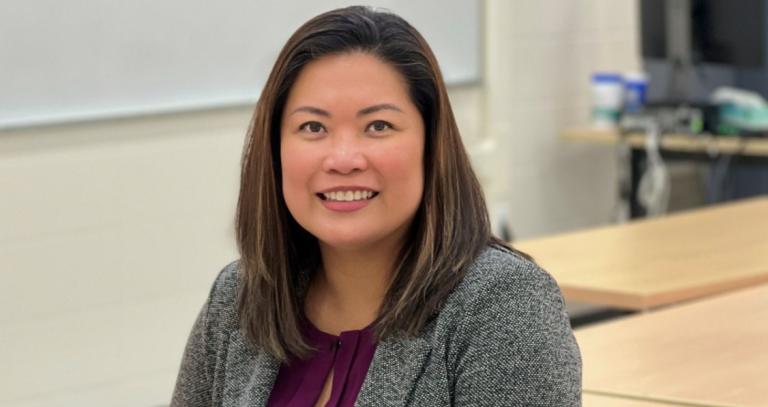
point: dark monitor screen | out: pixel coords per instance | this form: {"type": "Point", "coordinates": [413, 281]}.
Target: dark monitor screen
{"type": "Point", "coordinates": [722, 31]}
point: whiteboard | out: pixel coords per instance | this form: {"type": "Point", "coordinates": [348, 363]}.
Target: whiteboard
{"type": "Point", "coordinates": [77, 60]}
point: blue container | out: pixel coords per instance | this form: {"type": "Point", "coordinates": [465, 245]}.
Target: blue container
{"type": "Point", "coordinates": [635, 89]}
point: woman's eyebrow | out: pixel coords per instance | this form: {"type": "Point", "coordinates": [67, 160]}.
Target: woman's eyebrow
{"type": "Point", "coordinates": [362, 112]}
{"type": "Point", "coordinates": [376, 108]}
{"type": "Point", "coordinates": [313, 110]}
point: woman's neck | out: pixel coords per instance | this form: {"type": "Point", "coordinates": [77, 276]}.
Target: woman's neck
{"type": "Point", "coordinates": [346, 293]}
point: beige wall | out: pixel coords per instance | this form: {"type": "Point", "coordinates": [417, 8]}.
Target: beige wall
{"type": "Point", "coordinates": [540, 54]}
{"type": "Point", "coordinates": [111, 235]}
{"type": "Point", "coordinates": [112, 232]}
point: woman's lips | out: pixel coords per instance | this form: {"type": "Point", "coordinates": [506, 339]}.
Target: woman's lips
{"type": "Point", "coordinates": [346, 206]}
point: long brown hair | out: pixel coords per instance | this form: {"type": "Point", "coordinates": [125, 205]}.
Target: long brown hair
{"type": "Point", "coordinates": [451, 226]}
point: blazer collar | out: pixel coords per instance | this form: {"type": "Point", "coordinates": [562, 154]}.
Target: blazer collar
{"type": "Point", "coordinates": [392, 375]}
{"type": "Point", "coordinates": [394, 371]}
{"type": "Point", "coordinates": [249, 374]}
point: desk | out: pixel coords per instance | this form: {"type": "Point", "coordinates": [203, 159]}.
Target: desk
{"type": "Point", "coordinates": [597, 400]}
{"type": "Point", "coordinates": [751, 151]}
{"type": "Point", "coordinates": [708, 353]}
{"type": "Point", "coordinates": [649, 263]}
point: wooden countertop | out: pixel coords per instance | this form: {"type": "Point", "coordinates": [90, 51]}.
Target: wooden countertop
{"type": "Point", "coordinates": [711, 352]}
{"type": "Point", "coordinates": [654, 262]}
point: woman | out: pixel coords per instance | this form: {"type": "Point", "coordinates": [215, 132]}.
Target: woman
{"type": "Point", "coordinates": [368, 275]}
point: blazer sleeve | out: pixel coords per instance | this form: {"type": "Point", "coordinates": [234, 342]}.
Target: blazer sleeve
{"type": "Point", "coordinates": [515, 344]}
{"type": "Point", "coordinates": [195, 378]}
{"type": "Point", "coordinates": [195, 381]}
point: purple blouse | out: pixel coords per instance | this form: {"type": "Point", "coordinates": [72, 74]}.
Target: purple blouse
{"type": "Point", "coordinates": [299, 383]}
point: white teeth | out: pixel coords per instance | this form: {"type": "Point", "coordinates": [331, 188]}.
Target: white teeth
{"type": "Point", "coordinates": [347, 196]}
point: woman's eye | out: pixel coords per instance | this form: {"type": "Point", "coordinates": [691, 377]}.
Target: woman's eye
{"type": "Point", "coordinates": [312, 127]}
{"type": "Point", "coordinates": [379, 126]}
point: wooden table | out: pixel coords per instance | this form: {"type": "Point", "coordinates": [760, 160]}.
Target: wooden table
{"type": "Point", "coordinates": [712, 352]}
{"type": "Point", "coordinates": [599, 400]}
{"type": "Point", "coordinates": [654, 262]}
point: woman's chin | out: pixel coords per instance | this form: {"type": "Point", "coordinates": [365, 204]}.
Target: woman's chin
{"type": "Point", "coordinates": [346, 243]}
{"type": "Point", "coordinates": [349, 241]}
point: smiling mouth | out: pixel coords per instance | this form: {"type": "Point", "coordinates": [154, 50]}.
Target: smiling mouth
{"type": "Point", "coordinates": [347, 196]}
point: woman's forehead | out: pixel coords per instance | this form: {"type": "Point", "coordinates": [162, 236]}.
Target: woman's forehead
{"type": "Point", "coordinates": [349, 79]}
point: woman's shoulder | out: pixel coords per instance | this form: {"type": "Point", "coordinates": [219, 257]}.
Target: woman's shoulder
{"type": "Point", "coordinates": [507, 290]}
{"type": "Point", "coordinates": [222, 299]}
{"type": "Point", "coordinates": [507, 313]}
{"type": "Point", "coordinates": [506, 324]}
{"type": "Point", "coordinates": [505, 273]}
{"type": "Point", "coordinates": [227, 281]}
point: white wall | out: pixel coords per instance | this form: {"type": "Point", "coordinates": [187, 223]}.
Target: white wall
{"type": "Point", "coordinates": [111, 235]}
{"type": "Point", "coordinates": [540, 55]}
{"type": "Point", "coordinates": [112, 232]}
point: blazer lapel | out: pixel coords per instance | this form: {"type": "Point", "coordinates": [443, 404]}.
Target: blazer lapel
{"type": "Point", "coordinates": [396, 366]}
{"type": "Point", "coordinates": [250, 374]}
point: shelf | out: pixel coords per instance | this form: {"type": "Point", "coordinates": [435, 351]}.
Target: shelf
{"type": "Point", "coordinates": [703, 143]}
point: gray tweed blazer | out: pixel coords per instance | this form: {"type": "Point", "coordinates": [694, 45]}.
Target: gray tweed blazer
{"type": "Point", "coordinates": [502, 339]}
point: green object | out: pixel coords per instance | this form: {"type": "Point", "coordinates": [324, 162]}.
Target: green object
{"type": "Point", "coordinates": [743, 118]}
{"type": "Point", "coordinates": [604, 114]}
{"type": "Point", "coordinates": [697, 125]}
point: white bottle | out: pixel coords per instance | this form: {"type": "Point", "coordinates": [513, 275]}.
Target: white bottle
{"type": "Point", "coordinates": [607, 99]}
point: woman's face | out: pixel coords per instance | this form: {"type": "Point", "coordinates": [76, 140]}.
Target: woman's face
{"type": "Point", "coordinates": [351, 152]}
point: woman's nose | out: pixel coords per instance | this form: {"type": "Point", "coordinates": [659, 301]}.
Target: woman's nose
{"type": "Point", "coordinates": [345, 155]}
